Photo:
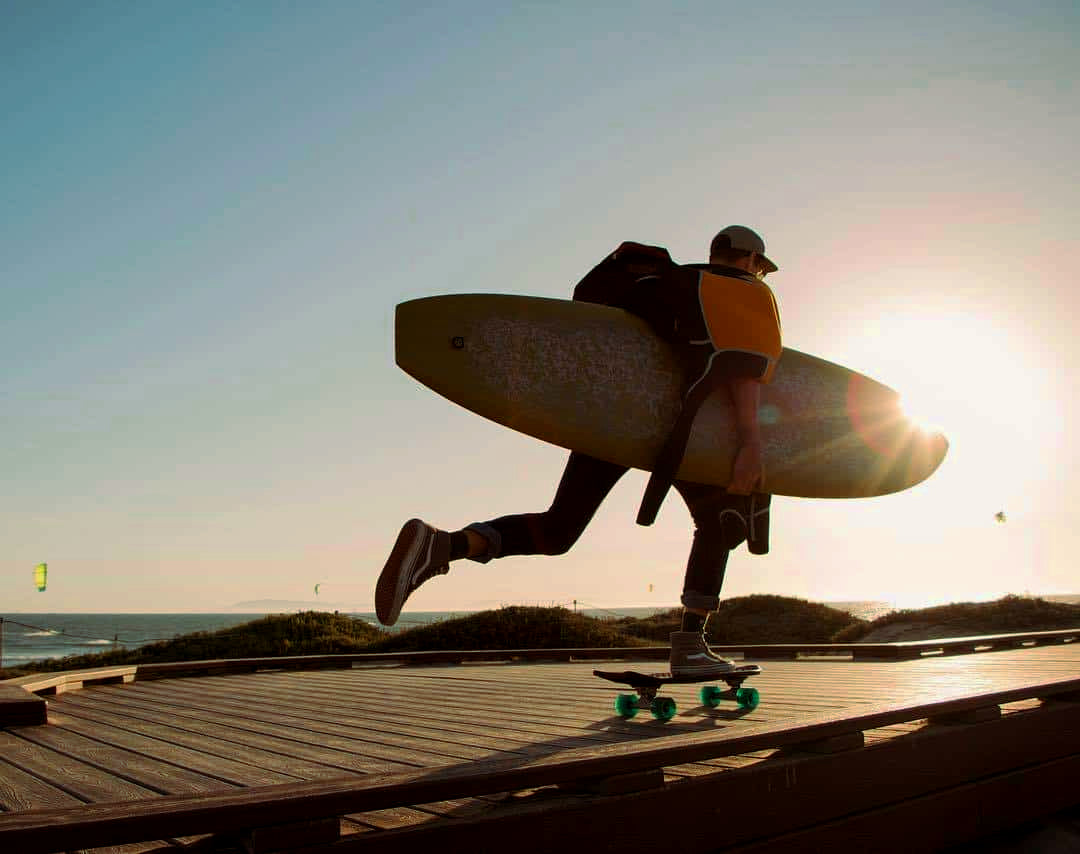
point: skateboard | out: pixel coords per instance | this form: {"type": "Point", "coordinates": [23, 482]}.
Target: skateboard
{"type": "Point", "coordinates": [663, 708]}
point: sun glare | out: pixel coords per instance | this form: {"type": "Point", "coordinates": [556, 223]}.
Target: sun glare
{"type": "Point", "coordinates": [971, 378]}
{"type": "Point", "coordinates": [923, 414]}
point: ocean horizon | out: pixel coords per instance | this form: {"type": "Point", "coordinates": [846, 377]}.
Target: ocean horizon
{"type": "Point", "coordinates": [26, 637]}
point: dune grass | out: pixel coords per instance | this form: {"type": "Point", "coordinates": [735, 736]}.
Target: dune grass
{"type": "Point", "coordinates": [307, 633]}
{"type": "Point", "coordinates": [513, 627]}
{"type": "Point", "coordinates": [758, 618]}
{"type": "Point", "coordinates": [1002, 616]}
{"type": "Point", "coordinates": [742, 619]}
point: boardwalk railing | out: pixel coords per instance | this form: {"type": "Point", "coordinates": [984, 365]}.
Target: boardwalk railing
{"type": "Point", "coordinates": [56, 682]}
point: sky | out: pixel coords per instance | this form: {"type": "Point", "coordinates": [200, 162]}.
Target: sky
{"type": "Point", "coordinates": [209, 211]}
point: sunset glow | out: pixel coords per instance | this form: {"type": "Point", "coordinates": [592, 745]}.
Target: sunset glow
{"type": "Point", "coordinates": [209, 217]}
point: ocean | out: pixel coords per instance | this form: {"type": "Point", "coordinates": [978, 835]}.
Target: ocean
{"type": "Point", "coordinates": [32, 637]}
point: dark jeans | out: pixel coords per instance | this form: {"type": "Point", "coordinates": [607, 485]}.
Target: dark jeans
{"type": "Point", "coordinates": [585, 483]}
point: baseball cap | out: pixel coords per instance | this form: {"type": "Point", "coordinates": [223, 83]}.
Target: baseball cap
{"type": "Point", "coordinates": [742, 238]}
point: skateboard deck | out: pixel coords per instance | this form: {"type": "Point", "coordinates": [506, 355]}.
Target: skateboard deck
{"type": "Point", "coordinates": [646, 686]}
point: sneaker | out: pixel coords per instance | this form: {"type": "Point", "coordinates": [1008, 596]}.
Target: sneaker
{"type": "Point", "coordinates": [691, 656]}
{"type": "Point", "coordinates": [419, 553]}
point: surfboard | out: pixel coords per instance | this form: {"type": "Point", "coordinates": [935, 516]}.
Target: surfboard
{"type": "Point", "coordinates": [597, 380]}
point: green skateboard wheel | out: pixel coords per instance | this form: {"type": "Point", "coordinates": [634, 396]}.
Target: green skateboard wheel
{"type": "Point", "coordinates": [663, 708]}
{"type": "Point", "coordinates": [748, 698]}
{"type": "Point", "coordinates": [710, 696]}
{"type": "Point", "coordinates": [626, 705]}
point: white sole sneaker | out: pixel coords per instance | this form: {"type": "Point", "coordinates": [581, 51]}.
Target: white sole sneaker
{"type": "Point", "coordinates": [706, 670]}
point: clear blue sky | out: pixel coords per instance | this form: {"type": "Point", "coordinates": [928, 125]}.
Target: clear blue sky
{"type": "Point", "coordinates": [208, 215]}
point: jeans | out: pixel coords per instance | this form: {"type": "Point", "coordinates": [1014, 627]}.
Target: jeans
{"type": "Point", "coordinates": [720, 524]}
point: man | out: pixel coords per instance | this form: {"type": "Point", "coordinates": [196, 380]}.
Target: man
{"type": "Point", "coordinates": [700, 309]}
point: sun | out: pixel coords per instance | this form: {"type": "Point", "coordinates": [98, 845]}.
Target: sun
{"type": "Point", "coordinates": [969, 376]}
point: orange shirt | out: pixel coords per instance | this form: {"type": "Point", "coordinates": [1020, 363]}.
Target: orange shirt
{"type": "Point", "coordinates": [741, 315]}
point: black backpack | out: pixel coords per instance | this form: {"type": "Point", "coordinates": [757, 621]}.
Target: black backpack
{"type": "Point", "coordinates": [607, 282]}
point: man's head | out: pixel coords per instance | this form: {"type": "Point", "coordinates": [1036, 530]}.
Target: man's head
{"type": "Point", "coordinates": [742, 247]}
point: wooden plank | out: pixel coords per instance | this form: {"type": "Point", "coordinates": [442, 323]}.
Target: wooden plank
{"type": "Point", "coordinates": [58, 682]}
{"type": "Point", "coordinates": [167, 816]}
{"type": "Point", "coordinates": [553, 703]}
{"type": "Point", "coordinates": [459, 716]}
{"type": "Point", "coordinates": [365, 746]}
{"type": "Point", "coordinates": [333, 709]}
{"type": "Point", "coordinates": [247, 665]}
{"type": "Point", "coordinates": [218, 767]}
{"type": "Point", "coordinates": [22, 791]}
{"type": "Point", "coordinates": [282, 740]}
{"type": "Point", "coordinates": [545, 705]}
{"type": "Point", "coordinates": [214, 740]}
{"type": "Point", "coordinates": [393, 817]}
{"type": "Point", "coordinates": [153, 772]}
{"type": "Point", "coordinates": [79, 779]}
{"type": "Point", "coordinates": [502, 718]}
{"type": "Point", "coordinates": [462, 719]}
{"type": "Point", "coordinates": [377, 742]}
{"type": "Point", "coordinates": [504, 726]}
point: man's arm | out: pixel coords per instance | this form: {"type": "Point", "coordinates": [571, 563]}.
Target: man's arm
{"type": "Point", "coordinates": [748, 473]}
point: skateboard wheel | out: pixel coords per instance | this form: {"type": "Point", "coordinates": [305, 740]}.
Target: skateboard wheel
{"type": "Point", "coordinates": [626, 705]}
{"type": "Point", "coordinates": [663, 708]}
{"type": "Point", "coordinates": [747, 698]}
{"type": "Point", "coordinates": [710, 696]}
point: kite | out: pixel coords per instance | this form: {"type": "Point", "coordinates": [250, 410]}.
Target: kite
{"type": "Point", "coordinates": [41, 575]}
{"type": "Point", "coordinates": [1000, 515]}
{"type": "Point", "coordinates": [317, 588]}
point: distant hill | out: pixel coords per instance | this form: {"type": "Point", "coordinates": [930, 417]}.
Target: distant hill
{"type": "Point", "coordinates": [1002, 616]}
{"type": "Point", "coordinates": [514, 627]}
{"type": "Point", "coordinates": [758, 618]}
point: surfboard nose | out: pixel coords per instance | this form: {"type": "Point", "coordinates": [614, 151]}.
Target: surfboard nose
{"type": "Point", "coordinates": [918, 456]}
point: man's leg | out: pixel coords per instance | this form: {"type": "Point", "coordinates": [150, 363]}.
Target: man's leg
{"type": "Point", "coordinates": [718, 530]}
{"type": "Point", "coordinates": [422, 551]}
{"type": "Point", "coordinates": [585, 483]}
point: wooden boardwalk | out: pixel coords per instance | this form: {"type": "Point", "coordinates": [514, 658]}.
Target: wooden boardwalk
{"type": "Point", "coordinates": [384, 757]}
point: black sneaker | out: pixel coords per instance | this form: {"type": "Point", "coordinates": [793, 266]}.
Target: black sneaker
{"type": "Point", "coordinates": [419, 553]}
{"type": "Point", "coordinates": [691, 656]}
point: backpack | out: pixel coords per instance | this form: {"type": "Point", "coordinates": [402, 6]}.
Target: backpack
{"type": "Point", "coordinates": [608, 282]}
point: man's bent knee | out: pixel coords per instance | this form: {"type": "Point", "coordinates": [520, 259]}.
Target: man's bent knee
{"type": "Point", "coordinates": [550, 537]}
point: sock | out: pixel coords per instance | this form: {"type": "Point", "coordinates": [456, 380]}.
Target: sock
{"type": "Point", "coordinates": [692, 622]}
{"type": "Point", "coordinates": [459, 545]}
